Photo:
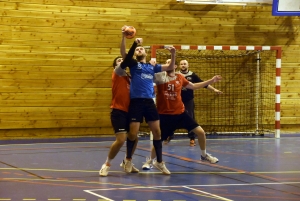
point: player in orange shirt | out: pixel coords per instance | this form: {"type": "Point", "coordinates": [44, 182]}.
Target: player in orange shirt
{"type": "Point", "coordinates": [119, 113]}
{"type": "Point", "coordinates": [172, 112]}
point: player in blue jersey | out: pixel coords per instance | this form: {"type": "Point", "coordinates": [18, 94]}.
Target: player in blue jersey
{"type": "Point", "coordinates": [141, 100]}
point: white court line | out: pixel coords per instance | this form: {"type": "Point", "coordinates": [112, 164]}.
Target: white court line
{"type": "Point", "coordinates": [100, 196]}
{"type": "Point", "coordinates": [208, 185]}
{"type": "Point", "coordinates": [187, 186]}
{"type": "Point", "coordinates": [212, 195]}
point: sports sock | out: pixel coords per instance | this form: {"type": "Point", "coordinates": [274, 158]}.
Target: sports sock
{"type": "Point", "coordinates": [158, 150]}
{"type": "Point", "coordinates": [107, 162]}
{"type": "Point", "coordinates": [129, 146]}
{"type": "Point", "coordinates": [203, 152]}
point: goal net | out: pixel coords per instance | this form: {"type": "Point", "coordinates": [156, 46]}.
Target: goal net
{"type": "Point", "coordinates": [248, 85]}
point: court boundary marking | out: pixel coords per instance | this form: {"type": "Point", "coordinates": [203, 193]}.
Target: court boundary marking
{"type": "Point", "coordinates": [105, 141]}
{"type": "Point", "coordinates": [205, 194]}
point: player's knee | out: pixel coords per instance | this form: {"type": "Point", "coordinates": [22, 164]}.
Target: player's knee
{"type": "Point", "coordinates": [132, 136]}
{"type": "Point", "coordinates": [120, 139]}
{"type": "Point", "coordinates": [199, 131]}
{"type": "Point", "coordinates": [120, 143]}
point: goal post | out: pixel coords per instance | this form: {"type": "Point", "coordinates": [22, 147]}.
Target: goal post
{"type": "Point", "coordinates": [250, 74]}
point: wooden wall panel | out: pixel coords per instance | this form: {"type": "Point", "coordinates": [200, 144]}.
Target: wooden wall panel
{"type": "Point", "coordinates": [56, 56]}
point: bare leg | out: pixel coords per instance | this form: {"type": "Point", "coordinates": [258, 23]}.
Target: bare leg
{"type": "Point", "coordinates": [153, 154]}
{"type": "Point", "coordinates": [201, 137]}
{"type": "Point", "coordinates": [202, 143]}
{"type": "Point", "coordinates": [154, 127]}
{"type": "Point", "coordinates": [116, 146]}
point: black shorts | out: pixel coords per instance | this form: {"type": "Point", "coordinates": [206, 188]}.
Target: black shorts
{"type": "Point", "coordinates": [169, 123]}
{"type": "Point", "coordinates": [119, 120]}
{"type": "Point", "coordinates": [142, 107]}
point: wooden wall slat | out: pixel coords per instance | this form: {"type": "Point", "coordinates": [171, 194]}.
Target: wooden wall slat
{"type": "Point", "coordinates": [52, 103]}
{"type": "Point", "coordinates": [57, 123]}
{"type": "Point", "coordinates": [55, 132]}
{"type": "Point", "coordinates": [29, 75]}
{"type": "Point", "coordinates": [53, 115]}
{"type": "Point", "coordinates": [56, 56]}
{"type": "Point", "coordinates": [92, 83]}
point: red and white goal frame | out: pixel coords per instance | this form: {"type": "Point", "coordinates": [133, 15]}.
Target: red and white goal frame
{"type": "Point", "coordinates": [262, 48]}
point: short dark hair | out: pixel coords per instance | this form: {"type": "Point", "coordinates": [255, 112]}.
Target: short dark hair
{"type": "Point", "coordinates": [115, 61]}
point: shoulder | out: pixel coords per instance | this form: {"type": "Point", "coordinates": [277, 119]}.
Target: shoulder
{"type": "Point", "coordinates": [194, 74]}
{"type": "Point", "coordinates": [178, 74]}
{"type": "Point", "coordinates": [160, 77]}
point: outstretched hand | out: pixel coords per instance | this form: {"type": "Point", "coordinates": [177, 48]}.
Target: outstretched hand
{"type": "Point", "coordinates": [218, 91]}
{"type": "Point", "coordinates": [217, 78]}
{"type": "Point", "coordinates": [123, 30]}
{"type": "Point", "coordinates": [171, 49]}
{"type": "Point", "coordinates": [139, 40]}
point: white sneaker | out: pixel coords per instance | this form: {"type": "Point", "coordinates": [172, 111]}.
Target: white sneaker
{"type": "Point", "coordinates": [162, 167]}
{"type": "Point", "coordinates": [104, 170]}
{"type": "Point", "coordinates": [127, 166]}
{"type": "Point", "coordinates": [133, 170]}
{"type": "Point", "coordinates": [148, 164]}
{"type": "Point", "coordinates": [209, 158]}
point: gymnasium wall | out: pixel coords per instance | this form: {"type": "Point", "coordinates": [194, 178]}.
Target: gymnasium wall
{"type": "Point", "coordinates": [56, 56]}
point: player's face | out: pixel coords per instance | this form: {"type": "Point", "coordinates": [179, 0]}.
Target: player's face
{"type": "Point", "coordinates": [184, 66]}
{"type": "Point", "coordinates": [140, 51]}
{"type": "Point", "coordinates": [119, 61]}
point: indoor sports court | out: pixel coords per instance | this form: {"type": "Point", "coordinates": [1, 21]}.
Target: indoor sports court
{"type": "Point", "coordinates": [250, 168]}
{"type": "Point", "coordinates": [56, 95]}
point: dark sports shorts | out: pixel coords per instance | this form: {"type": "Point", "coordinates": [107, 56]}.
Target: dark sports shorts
{"type": "Point", "coordinates": [119, 120]}
{"type": "Point", "coordinates": [169, 123]}
{"type": "Point", "coordinates": [142, 107]}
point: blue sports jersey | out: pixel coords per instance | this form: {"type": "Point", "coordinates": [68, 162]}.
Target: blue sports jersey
{"type": "Point", "coordinates": [142, 79]}
{"type": "Point", "coordinates": [142, 75]}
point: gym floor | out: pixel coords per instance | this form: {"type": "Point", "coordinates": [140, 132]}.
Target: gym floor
{"type": "Point", "coordinates": [249, 168]}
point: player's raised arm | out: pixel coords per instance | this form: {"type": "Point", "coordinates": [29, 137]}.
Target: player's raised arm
{"type": "Point", "coordinates": [199, 85]}
{"type": "Point", "coordinates": [171, 66]}
{"type": "Point", "coordinates": [123, 43]}
{"type": "Point", "coordinates": [128, 58]}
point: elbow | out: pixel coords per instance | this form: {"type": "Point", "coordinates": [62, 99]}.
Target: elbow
{"type": "Point", "coordinates": [123, 65]}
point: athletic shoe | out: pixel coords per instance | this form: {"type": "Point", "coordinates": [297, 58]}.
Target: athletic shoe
{"type": "Point", "coordinates": [104, 170]}
{"type": "Point", "coordinates": [133, 170]}
{"type": "Point", "coordinates": [128, 166]}
{"type": "Point", "coordinates": [209, 158]}
{"type": "Point", "coordinates": [168, 139]}
{"type": "Point", "coordinates": [192, 143]}
{"type": "Point", "coordinates": [162, 167]}
{"type": "Point", "coordinates": [148, 164]}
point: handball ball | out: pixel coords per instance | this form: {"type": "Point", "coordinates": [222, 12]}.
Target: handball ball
{"type": "Point", "coordinates": [130, 32]}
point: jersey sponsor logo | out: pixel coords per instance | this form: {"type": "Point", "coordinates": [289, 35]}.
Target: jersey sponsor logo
{"type": "Point", "coordinates": [147, 76]}
{"type": "Point", "coordinates": [139, 66]}
{"type": "Point", "coordinates": [170, 95]}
